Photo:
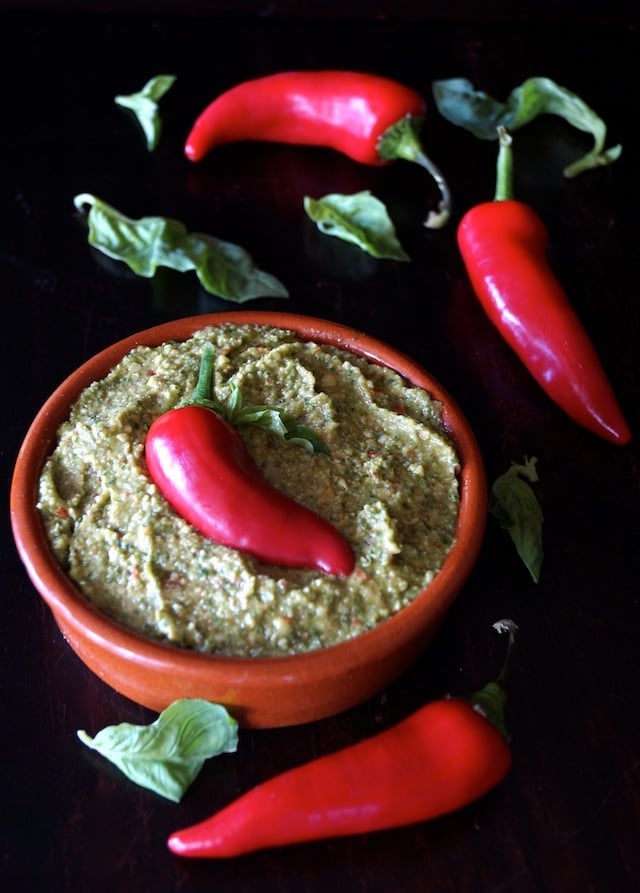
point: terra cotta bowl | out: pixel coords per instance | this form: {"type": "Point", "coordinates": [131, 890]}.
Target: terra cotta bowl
{"type": "Point", "coordinates": [259, 692]}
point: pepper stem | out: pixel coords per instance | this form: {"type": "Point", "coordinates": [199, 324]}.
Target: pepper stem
{"type": "Point", "coordinates": [491, 699]}
{"type": "Point", "coordinates": [402, 140]}
{"type": "Point", "coordinates": [504, 167]}
{"type": "Point", "coordinates": [436, 219]}
{"type": "Point", "coordinates": [203, 392]}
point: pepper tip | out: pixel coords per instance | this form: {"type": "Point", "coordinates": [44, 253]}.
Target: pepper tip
{"type": "Point", "coordinates": [191, 153]}
{"type": "Point", "coordinates": [176, 844]}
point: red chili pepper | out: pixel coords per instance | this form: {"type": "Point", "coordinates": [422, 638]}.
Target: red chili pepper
{"type": "Point", "coordinates": [439, 759]}
{"type": "Point", "coordinates": [370, 118]}
{"type": "Point", "coordinates": [202, 466]}
{"type": "Point", "coordinates": [503, 244]}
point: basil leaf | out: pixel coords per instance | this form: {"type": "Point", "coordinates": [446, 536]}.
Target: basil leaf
{"type": "Point", "coordinates": [361, 219]}
{"type": "Point", "coordinates": [479, 113]}
{"type": "Point", "coordinates": [515, 506]}
{"type": "Point", "coordinates": [167, 755]}
{"type": "Point", "coordinates": [277, 422]}
{"type": "Point", "coordinates": [303, 437]}
{"type": "Point", "coordinates": [224, 269]}
{"type": "Point", "coordinates": [144, 105]}
{"type": "Point", "coordinates": [271, 419]}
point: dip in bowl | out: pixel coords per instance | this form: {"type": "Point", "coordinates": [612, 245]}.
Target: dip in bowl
{"type": "Point", "coordinates": [160, 612]}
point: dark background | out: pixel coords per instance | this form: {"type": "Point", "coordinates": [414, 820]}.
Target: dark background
{"type": "Point", "coordinates": [566, 818]}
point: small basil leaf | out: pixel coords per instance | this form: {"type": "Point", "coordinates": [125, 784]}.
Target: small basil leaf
{"type": "Point", "coordinates": [361, 219]}
{"type": "Point", "coordinates": [303, 436]}
{"type": "Point", "coordinates": [167, 755]}
{"type": "Point", "coordinates": [144, 105]}
{"type": "Point", "coordinates": [476, 111]}
{"type": "Point", "coordinates": [277, 422]}
{"type": "Point", "coordinates": [516, 508]}
{"type": "Point", "coordinates": [227, 270]}
{"type": "Point", "coordinates": [223, 269]}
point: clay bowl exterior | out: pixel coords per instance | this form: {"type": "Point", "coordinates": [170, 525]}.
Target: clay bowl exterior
{"type": "Point", "coordinates": [262, 692]}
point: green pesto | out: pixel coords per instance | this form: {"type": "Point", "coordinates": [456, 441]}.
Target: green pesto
{"type": "Point", "coordinates": [390, 485]}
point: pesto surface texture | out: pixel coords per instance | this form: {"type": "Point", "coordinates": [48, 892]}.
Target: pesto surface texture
{"type": "Point", "coordinates": [390, 485]}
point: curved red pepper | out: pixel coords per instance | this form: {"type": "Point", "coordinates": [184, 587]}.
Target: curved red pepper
{"type": "Point", "coordinates": [369, 118]}
{"type": "Point", "coordinates": [439, 759]}
{"type": "Point", "coordinates": [503, 244]}
{"type": "Point", "coordinates": [203, 468]}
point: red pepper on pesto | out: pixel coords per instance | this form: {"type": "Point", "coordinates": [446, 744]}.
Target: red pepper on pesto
{"type": "Point", "coordinates": [203, 468]}
{"type": "Point", "coordinates": [369, 118]}
{"type": "Point", "coordinates": [442, 757]}
{"type": "Point", "coordinates": [503, 245]}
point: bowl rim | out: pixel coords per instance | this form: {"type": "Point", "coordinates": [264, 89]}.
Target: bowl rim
{"type": "Point", "coordinates": [67, 601]}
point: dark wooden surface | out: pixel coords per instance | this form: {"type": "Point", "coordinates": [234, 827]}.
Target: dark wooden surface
{"type": "Point", "coordinates": [566, 818]}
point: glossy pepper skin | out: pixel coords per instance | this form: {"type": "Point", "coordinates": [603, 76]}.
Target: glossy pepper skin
{"type": "Point", "coordinates": [441, 758]}
{"type": "Point", "coordinates": [203, 468]}
{"type": "Point", "coordinates": [503, 244]}
{"type": "Point", "coordinates": [369, 118]}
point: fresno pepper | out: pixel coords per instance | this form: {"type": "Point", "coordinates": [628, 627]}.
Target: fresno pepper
{"type": "Point", "coordinates": [442, 757]}
{"type": "Point", "coordinates": [369, 118]}
{"type": "Point", "coordinates": [503, 244]}
{"type": "Point", "coordinates": [203, 468]}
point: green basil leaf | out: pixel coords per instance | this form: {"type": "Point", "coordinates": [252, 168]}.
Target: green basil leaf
{"type": "Point", "coordinates": [515, 506]}
{"type": "Point", "coordinates": [361, 219]}
{"type": "Point", "coordinates": [271, 419]}
{"type": "Point", "coordinates": [278, 422]}
{"type": "Point", "coordinates": [237, 412]}
{"type": "Point", "coordinates": [476, 111]}
{"type": "Point", "coordinates": [167, 755]}
{"type": "Point", "coordinates": [144, 105]}
{"type": "Point", "coordinates": [224, 269]}
{"type": "Point", "coordinates": [303, 436]}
